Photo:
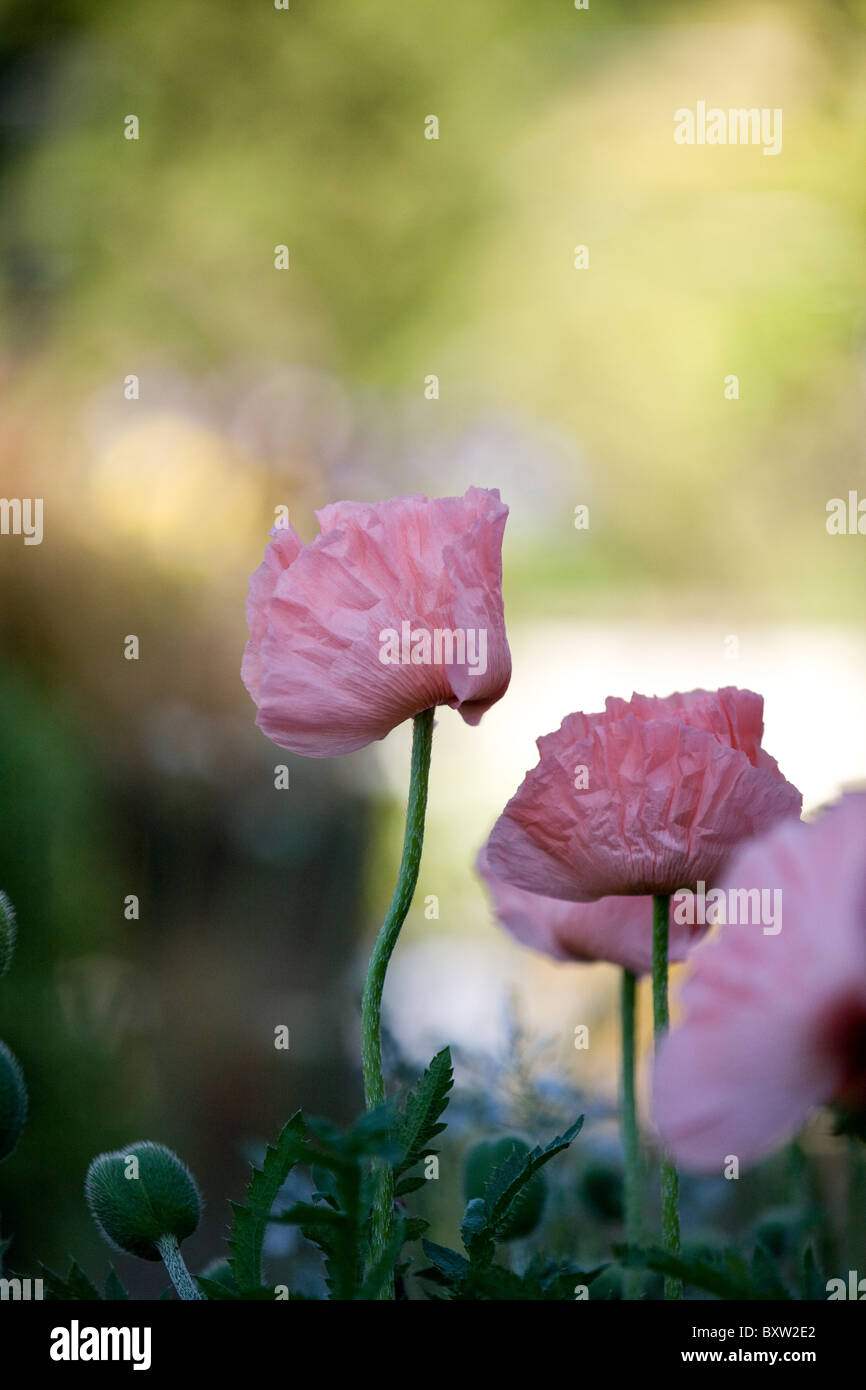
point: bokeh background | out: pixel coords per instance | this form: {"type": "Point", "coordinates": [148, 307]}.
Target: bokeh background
{"type": "Point", "coordinates": [706, 562]}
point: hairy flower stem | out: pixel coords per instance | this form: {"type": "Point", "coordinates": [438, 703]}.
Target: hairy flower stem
{"type": "Point", "coordinates": [177, 1270]}
{"type": "Point", "coordinates": [632, 1282]}
{"type": "Point", "coordinates": [371, 1004]}
{"type": "Point", "coordinates": [670, 1178]}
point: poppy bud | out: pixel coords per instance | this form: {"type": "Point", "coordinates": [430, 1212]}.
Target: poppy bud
{"type": "Point", "coordinates": [13, 1102]}
{"type": "Point", "coordinates": [141, 1195]}
{"type": "Point", "coordinates": [7, 933]}
{"type": "Point", "coordinates": [602, 1190]}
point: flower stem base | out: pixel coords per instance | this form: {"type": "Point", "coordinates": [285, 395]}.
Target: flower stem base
{"type": "Point", "coordinates": [670, 1182]}
{"type": "Point", "coordinates": [371, 1004]}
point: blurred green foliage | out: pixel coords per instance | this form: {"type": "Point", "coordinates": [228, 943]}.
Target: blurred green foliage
{"type": "Point", "coordinates": [454, 256]}
{"type": "Point", "coordinates": [408, 257]}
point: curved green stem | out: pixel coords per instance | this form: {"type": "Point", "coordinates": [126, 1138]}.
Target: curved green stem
{"type": "Point", "coordinates": [371, 1004]}
{"type": "Point", "coordinates": [630, 1141]}
{"type": "Point", "coordinates": [661, 1019]}
{"type": "Point", "coordinates": [177, 1270]}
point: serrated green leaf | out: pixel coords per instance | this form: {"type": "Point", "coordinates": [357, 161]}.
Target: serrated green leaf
{"type": "Point", "coordinates": [336, 1233]}
{"type": "Point", "coordinates": [419, 1123]}
{"type": "Point", "coordinates": [74, 1288]}
{"type": "Point", "coordinates": [507, 1180]}
{"type": "Point", "coordinates": [247, 1233]}
{"type": "Point", "coordinates": [371, 1136]}
{"type": "Point", "coordinates": [466, 1281]}
{"type": "Point", "coordinates": [215, 1290]}
{"type": "Point", "coordinates": [723, 1273]}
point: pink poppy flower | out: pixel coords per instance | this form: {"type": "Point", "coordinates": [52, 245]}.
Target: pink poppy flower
{"type": "Point", "coordinates": [648, 797]}
{"type": "Point", "coordinates": [775, 1019]}
{"type": "Point", "coordinates": [394, 607]}
{"type": "Point", "coordinates": [618, 930]}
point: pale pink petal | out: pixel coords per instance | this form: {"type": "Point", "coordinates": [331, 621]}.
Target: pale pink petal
{"type": "Point", "coordinates": [775, 1022]}
{"type": "Point", "coordinates": [736, 1090]}
{"type": "Point", "coordinates": [618, 930]}
{"type": "Point", "coordinates": [284, 549]}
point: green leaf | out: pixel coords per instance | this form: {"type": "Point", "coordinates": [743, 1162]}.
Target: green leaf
{"type": "Point", "coordinates": [723, 1273]}
{"type": "Point", "coordinates": [419, 1123]}
{"type": "Point", "coordinates": [415, 1228]}
{"type": "Point", "coordinates": [557, 1281]}
{"type": "Point", "coordinates": [466, 1281]}
{"type": "Point", "coordinates": [309, 1214]}
{"type": "Point", "coordinates": [336, 1233]}
{"type": "Point", "coordinates": [506, 1182]}
{"type": "Point", "coordinates": [528, 1207]}
{"type": "Point", "coordinates": [369, 1136]}
{"type": "Point", "coordinates": [407, 1185]}
{"type": "Point", "coordinates": [337, 1218]}
{"type": "Point", "coordinates": [326, 1185]}
{"type": "Point", "coordinates": [114, 1290]}
{"type": "Point", "coordinates": [216, 1291]}
{"type": "Point", "coordinates": [449, 1263]}
{"type": "Point", "coordinates": [247, 1234]}
{"type": "Point", "coordinates": [75, 1287]}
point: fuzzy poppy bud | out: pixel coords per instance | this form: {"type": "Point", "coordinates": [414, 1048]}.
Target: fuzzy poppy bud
{"type": "Point", "coordinates": [602, 1190]}
{"type": "Point", "coordinates": [141, 1195]}
{"type": "Point", "coordinates": [13, 1101]}
{"type": "Point", "coordinates": [528, 1206]}
{"type": "Point", "coordinates": [7, 933]}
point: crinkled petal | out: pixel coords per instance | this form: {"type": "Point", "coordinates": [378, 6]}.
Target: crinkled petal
{"type": "Point", "coordinates": [628, 803]}
{"type": "Point", "coordinates": [618, 930]}
{"type": "Point", "coordinates": [283, 550]}
{"type": "Point", "coordinates": [321, 684]}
